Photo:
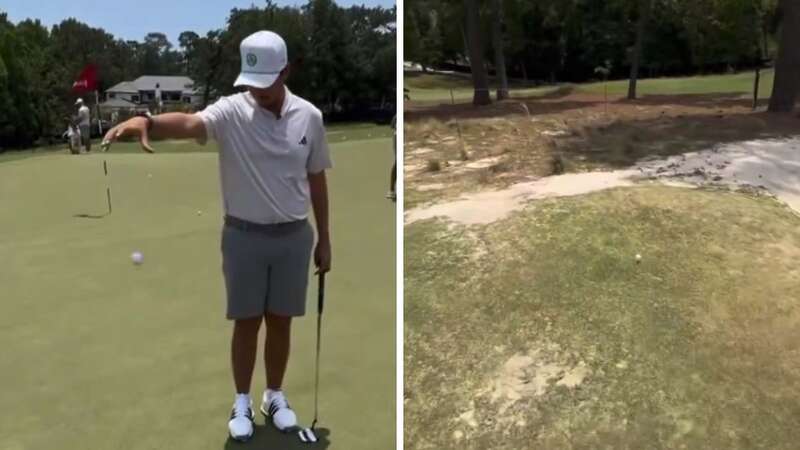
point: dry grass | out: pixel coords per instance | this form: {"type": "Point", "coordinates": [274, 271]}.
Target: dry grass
{"type": "Point", "coordinates": [569, 133]}
{"type": "Point", "coordinates": [542, 330]}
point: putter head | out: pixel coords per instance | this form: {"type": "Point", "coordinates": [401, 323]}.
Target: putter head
{"type": "Point", "coordinates": [307, 435]}
{"type": "Point", "coordinates": [104, 145]}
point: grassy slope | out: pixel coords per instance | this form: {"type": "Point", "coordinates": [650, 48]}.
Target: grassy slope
{"type": "Point", "coordinates": [696, 347]}
{"type": "Point", "coordinates": [100, 353]}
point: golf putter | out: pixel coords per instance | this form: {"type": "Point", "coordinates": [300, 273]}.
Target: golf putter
{"type": "Point", "coordinates": [307, 435]}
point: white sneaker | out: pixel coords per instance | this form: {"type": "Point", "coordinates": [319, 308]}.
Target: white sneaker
{"type": "Point", "coordinates": [240, 426]}
{"type": "Point", "coordinates": [275, 405]}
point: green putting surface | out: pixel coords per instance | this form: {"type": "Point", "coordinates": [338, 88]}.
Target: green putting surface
{"type": "Point", "coordinates": [99, 353]}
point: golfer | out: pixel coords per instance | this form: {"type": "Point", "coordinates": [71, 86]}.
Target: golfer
{"type": "Point", "coordinates": [84, 119]}
{"type": "Point", "coordinates": [157, 98]}
{"type": "Point", "coordinates": [74, 136]}
{"type": "Point", "coordinates": [273, 156]}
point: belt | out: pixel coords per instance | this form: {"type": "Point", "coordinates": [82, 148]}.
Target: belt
{"type": "Point", "coordinates": [266, 228]}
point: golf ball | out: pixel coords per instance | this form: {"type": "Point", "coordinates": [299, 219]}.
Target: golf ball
{"type": "Point", "coordinates": [199, 213]}
{"type": "Point", "coordinates": [137, 258]}
{"type": "Point", "coordinates": [149, 175]}
{"type": "Point", "coordinates": [638, 257]}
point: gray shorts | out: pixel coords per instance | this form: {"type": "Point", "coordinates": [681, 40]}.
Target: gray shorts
{"type": "Point", "coordinates": [266, 270]}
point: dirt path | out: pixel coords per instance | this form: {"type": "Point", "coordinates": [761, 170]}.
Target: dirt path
{"type": "Point", "coordinates": [772, 165]}
{"type": "Point", "coordinates": [488, 206]}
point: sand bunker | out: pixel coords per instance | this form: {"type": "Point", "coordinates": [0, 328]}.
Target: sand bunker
{"type": "Point", "coordinates": [772, 164]}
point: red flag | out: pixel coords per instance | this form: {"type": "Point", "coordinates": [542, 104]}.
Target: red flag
{"type": "Point", "coordinates": [87, 80]}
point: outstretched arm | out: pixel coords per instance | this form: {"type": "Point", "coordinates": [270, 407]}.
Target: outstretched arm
{"type": "Point", "coordinates": [169, 125]}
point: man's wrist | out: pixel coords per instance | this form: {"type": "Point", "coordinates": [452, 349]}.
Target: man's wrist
{"type": "Point", "coordinates": [148, 117]}
{"type": "Point", "coordinates": [324, 236]}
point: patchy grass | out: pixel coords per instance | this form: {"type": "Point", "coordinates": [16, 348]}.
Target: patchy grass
{"type": "Point", "coordinates": [542, 330]}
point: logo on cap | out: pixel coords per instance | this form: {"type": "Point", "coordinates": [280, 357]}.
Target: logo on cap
{"type": "Point", "coordinates": [251, 59]}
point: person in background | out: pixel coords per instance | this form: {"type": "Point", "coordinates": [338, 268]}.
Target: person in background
{"type": "Point", "coordinates": [84, 121]}
{"type": "Point", "coordinates": [73, 137]}
{"type": "Point", "coordinates": [159, 103]}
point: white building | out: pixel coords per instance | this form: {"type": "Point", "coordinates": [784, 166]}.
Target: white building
{"type": "Point", "coordinates": [139, 93]}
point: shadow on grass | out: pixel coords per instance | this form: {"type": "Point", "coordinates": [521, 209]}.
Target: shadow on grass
{"type": "Point", "coordinates": [535, 105]}
{"type": "Point", "coordinates": [16, 155]}
{"type": "Point", "coordinates": [416, 80]}
{"type": "Point", "coordinates": [566, 98]}
{"type": "Point", "coordinates": [267, 437]}
{"type": "Point", "coordinates": [91, 216]}
{"type": "Point", "coordinates": [127, 147]}
{"type": "Point", "coordinates": [711, 101]}
{"type": "Point", "coordinates": [622, 143]}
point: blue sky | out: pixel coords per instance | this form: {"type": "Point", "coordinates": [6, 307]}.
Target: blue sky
{"type": "Point", "coordinates": [133, 19]}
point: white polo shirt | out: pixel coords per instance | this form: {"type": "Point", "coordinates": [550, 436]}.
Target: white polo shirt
{"type": "Point", "coordinates": [83, 116]}
{"type": "Point", "coordinates": [264, 160]}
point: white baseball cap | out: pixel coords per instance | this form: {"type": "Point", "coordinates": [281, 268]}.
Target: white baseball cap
{"type": "Point", "coordinates": [263, 58]}
{"type": "Point", "coordinates": [79, 101]}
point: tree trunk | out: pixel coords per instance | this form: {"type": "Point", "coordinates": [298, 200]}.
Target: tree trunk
{"type": "Point", "coordinates": [479, 77]}
{"type": "Point", "coordinates": [644, 13]}
{"type": "Point", "coordinates": [499, 57]}
{"type": "Point", "coordinates": [787, 64]}
{"type": "Point", "coordinates": [755, 88]}
{"type": "Point", "coordinates": [464, 38]}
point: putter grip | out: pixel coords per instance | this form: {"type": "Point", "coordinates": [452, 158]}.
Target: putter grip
{"type": "Point", "coordinates": [321, 293]}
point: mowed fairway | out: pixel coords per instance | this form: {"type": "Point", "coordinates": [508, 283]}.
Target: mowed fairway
{"type": "Point", "coordinates": [100, 354]}
{"type": "Point", "coordinates": [437, 88]}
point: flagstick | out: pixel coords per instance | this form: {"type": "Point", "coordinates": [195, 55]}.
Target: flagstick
{"type": "Point", "coordinates": [87, 80]}
{"type": "Point", "coordinates": [108, 187]}
{"type": "Point", "coordinates": [105, 165]}
{"type": "Point", "coordinates": [99, 122]}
